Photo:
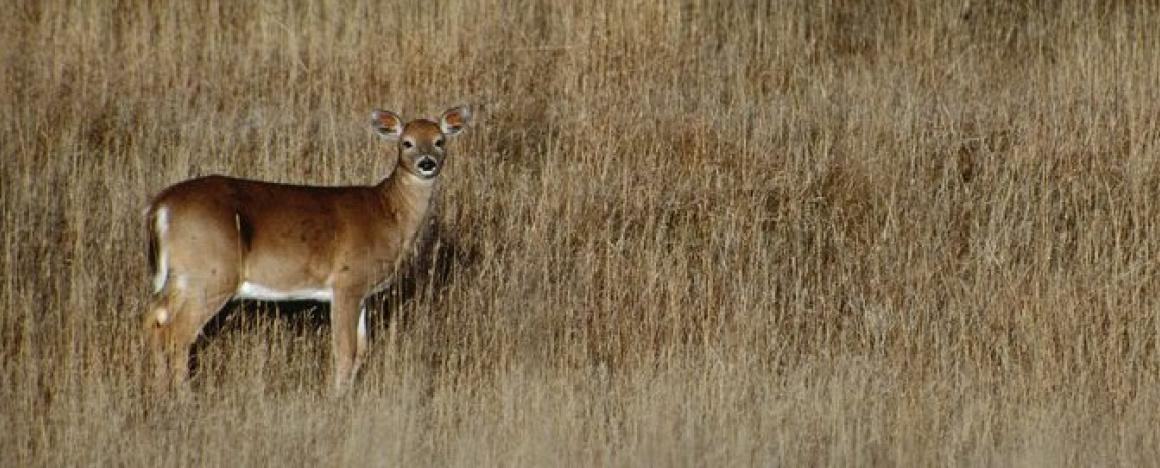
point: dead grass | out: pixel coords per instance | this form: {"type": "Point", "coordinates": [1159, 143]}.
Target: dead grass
{"type": "Point", "coordinates": [680, 233]}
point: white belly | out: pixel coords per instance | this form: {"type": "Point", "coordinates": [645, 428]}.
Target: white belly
{"type": "Point", "coordinates": [258, 292]}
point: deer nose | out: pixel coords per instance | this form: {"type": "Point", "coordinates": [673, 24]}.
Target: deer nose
{"type": "Point", "coordinates": [426, 164]}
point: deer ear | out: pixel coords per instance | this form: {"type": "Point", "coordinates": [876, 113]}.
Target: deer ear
{"type": "Point", "coordinates": [387, 124]}
{"type": "Point", "coordinates": [455, 120]}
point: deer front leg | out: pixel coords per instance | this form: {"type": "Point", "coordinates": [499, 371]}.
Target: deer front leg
{"type": "Point", "coordinates": [344, 324]}
{"type": "Point", "coordinates": [361, 345]}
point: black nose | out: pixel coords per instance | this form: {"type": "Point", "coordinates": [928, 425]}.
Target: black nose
{"type": "Point", "coordinates": [427, 164]}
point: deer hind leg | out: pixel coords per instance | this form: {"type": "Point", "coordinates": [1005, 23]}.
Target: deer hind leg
{"type": "Point", "coordinates": [167, 327]}
{"type": "Point", "coordinates": [200, 251]}
{"type": "Point", "coordinates": [157, 337]}
{"type": "Point", "coordinates": [173, 325]}
{"type": "Point", "coordinates": [198, 308]}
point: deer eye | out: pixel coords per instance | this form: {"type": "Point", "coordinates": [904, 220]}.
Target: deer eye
{"type": "Point", "coordinates": [407, 144]}
{"type": "Point", "coordinates": [439, 143]}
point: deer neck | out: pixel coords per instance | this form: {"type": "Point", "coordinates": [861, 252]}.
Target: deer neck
{"type": "Point", "coordinates": [406, 200]}
{"type": "Point", "coordinates": [407, 196]}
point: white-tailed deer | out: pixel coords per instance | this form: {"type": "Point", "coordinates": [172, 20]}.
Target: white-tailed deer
{"type": "Point", "coordinates": [217, 238]}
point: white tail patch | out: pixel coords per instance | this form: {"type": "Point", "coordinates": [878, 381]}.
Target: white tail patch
{"type": "Point", "coordinates": [161, 226]}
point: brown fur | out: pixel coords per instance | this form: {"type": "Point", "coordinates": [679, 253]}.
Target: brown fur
{"type": "Point", "coordinates": [223, 232]}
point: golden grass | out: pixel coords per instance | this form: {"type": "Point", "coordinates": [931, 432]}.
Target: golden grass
{"type": "Point", "coordinates": [678, 233]}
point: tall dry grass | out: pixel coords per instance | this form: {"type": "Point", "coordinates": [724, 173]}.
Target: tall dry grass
{"type": "Point", "coordinates": [679, 233]}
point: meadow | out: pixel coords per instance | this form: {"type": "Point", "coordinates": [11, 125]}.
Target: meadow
{"type": "Point", "coordinates": [677, 232]}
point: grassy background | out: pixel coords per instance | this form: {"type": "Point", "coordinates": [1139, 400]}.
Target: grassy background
{"type": "Point", "coordinates": [678, 233]}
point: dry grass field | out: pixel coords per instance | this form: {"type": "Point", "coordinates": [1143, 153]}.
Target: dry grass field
{"type": "Point", "coordinates": [678, 233]}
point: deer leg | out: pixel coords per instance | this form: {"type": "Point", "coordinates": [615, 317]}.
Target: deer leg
{"type": "Point", "coordinates": [361, 344]}
{"type": "Point", "coordinates": [344, 324]}
{"type": "Point", "coordinates": [195, 300]}
{"type": "Point", "coordinates": [157, 337]}
{"type": "Point", "coordinates": [186, 328]}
